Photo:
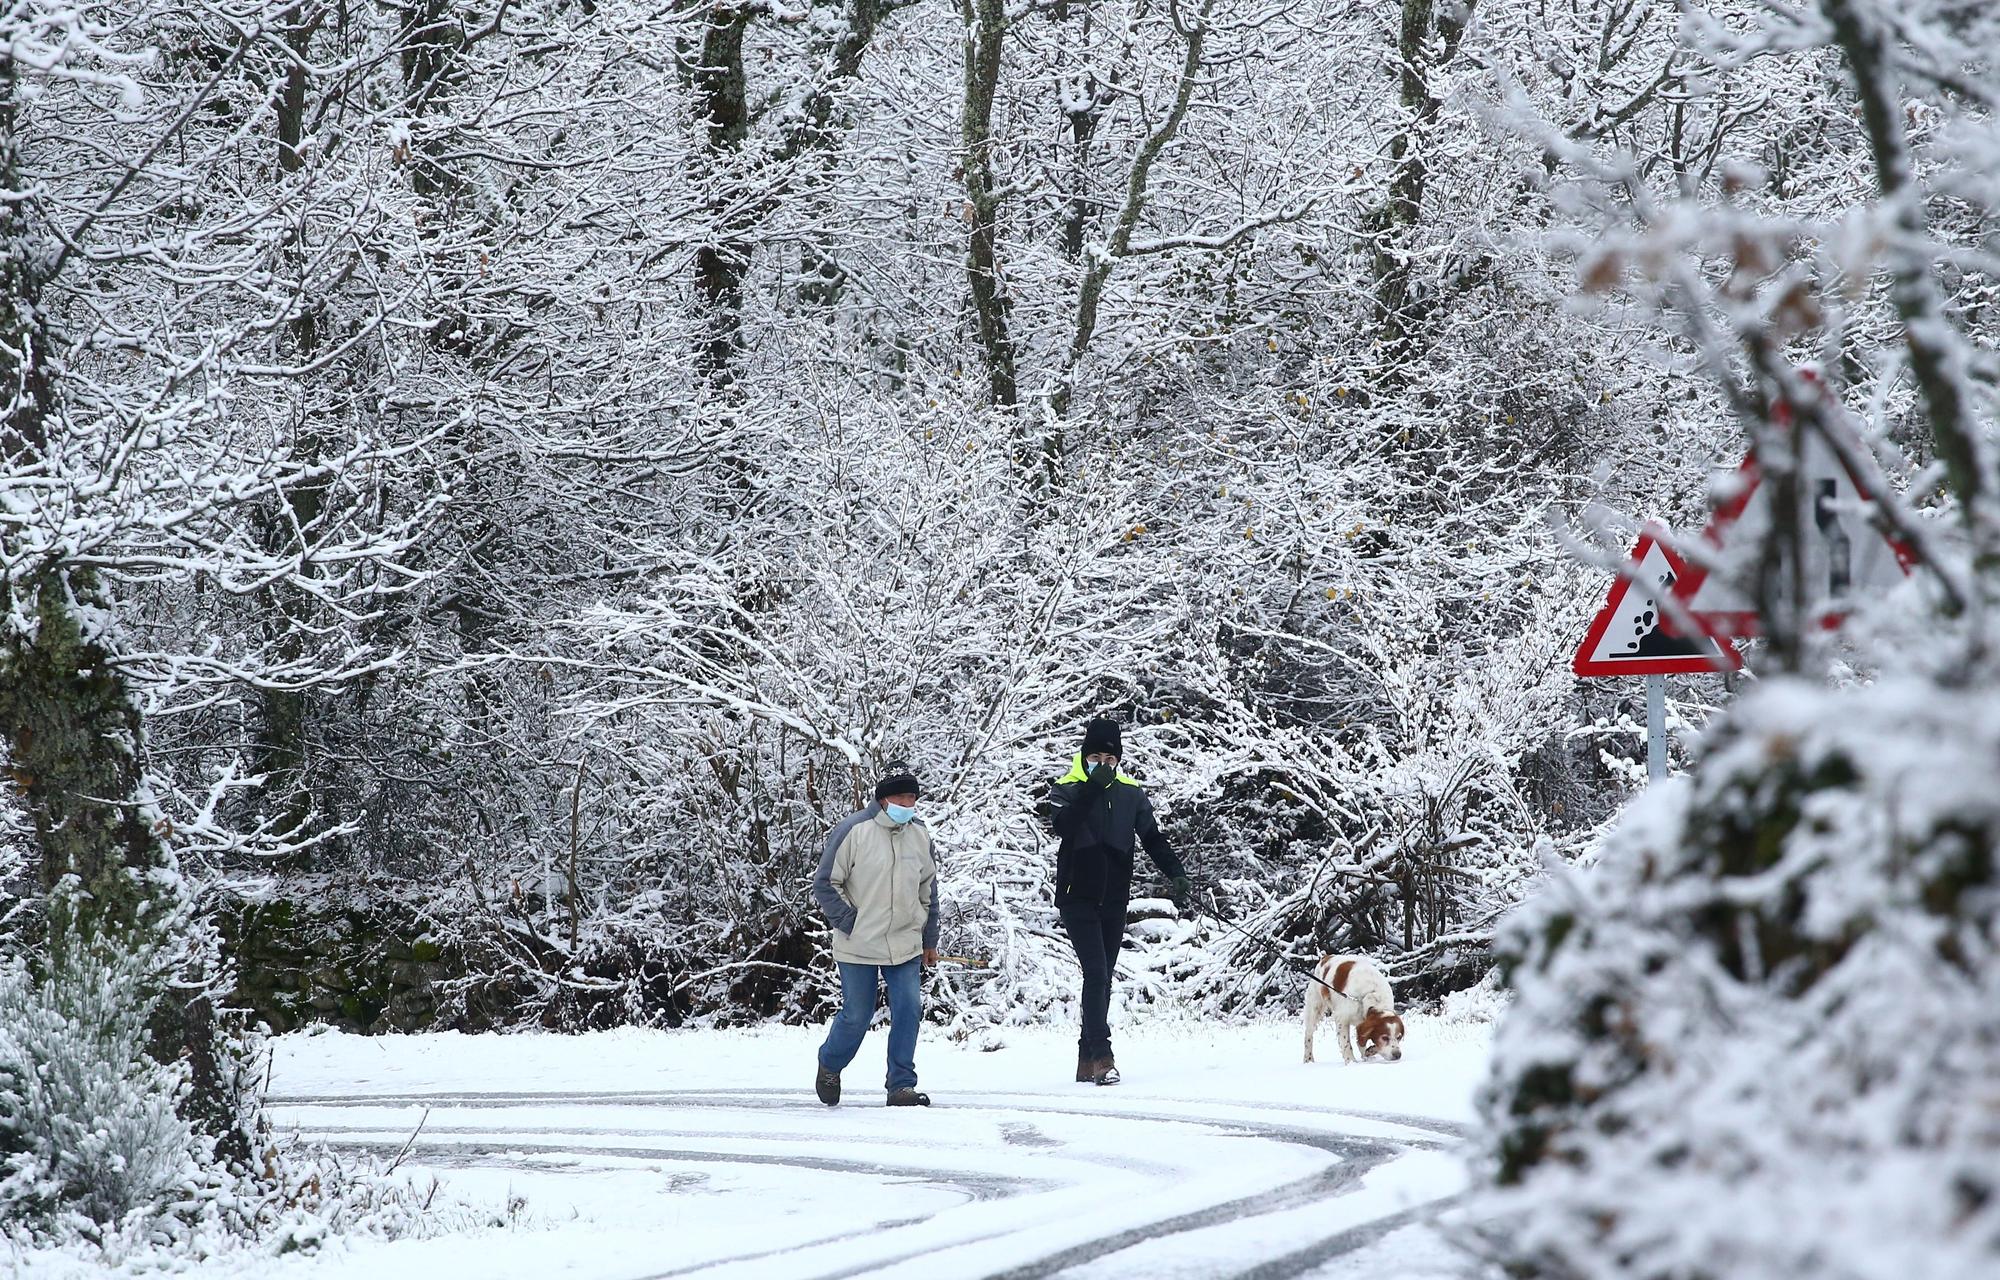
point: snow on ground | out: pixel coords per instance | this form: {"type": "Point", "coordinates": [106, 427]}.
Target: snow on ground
{"type": "Point", "coordinates": [641, 1155]}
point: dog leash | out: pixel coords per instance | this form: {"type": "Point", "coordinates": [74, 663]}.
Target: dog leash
{"type": "Point", "coordinates": [1216, 915]}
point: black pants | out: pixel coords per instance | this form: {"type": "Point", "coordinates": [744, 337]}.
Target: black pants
{"type": "Point", "coordinates": [1096, 930]}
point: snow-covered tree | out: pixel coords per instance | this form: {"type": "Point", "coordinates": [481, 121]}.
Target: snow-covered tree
{"type": "Point", "coordinates": [143, 466]}
{"type": "Point", "coordinates": [529, 464]}
{"type": "Point", "coordinates": [1764, 1023]}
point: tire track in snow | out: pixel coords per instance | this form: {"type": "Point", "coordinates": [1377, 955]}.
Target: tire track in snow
{"type": "Point", "coordinates": [517, 1155]}
{"type": "Point", "coordinates": [1311, 1258]}
{"type": "Point", "coordinates": [1352, 1157]}
{"type": "Point", "coordinates": [1444, 1132]}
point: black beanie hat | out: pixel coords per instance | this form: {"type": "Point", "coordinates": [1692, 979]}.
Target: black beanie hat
{"type": "Point", "coordinates": [1103, 735]}
{"type": "Point", "coordinates": [898, 779]}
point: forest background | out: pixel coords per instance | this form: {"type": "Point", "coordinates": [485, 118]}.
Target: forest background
{"type": "Point", "coordinates": [489, 485]}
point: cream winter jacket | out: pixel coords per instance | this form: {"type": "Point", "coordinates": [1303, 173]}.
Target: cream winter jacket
{"type": "Point", "coordinates": [877, 885]}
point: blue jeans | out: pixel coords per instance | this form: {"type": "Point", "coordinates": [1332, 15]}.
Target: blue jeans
{"type": "Point", "coordinates": [857, 1009]}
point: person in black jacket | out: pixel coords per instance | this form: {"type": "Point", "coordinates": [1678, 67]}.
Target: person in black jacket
{"type": "Point", "coordinates": [1099, 814]}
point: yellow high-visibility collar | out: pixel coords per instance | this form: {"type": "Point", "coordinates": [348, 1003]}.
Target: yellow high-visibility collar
{"type": "Point", "coordinates": [1077, 773]}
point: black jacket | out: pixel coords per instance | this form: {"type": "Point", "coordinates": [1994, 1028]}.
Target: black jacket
{"type": "Point", "coordinates": [1098, 829]}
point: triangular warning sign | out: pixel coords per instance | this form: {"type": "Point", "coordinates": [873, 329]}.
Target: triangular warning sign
{"type": "Point", "coordinates": [1847, 557]}
{"type": "Point", "coordinates": [1632, 635]}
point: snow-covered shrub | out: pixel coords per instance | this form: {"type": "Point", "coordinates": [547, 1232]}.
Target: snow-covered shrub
{"type": "Point", "coordinates": [311, 1195]}
{"type": "Point", "coordinates": [95, 1150]}
{"type": "Point", "coordinates": [89, 1131]}
{"type": "Point", "coordinates": [1761, 1038]}
{"type": "Point", "coordinates": [17, 870]}
{"type": "Point", "coordinates": [1484, 1002]}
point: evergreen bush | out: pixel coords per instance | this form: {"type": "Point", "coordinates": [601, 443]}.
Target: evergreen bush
{"type": "Point", "coordinates": [90, 1130]}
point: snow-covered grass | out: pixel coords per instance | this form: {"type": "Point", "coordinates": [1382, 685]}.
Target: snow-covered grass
{"type": "Point", "coordinates": [636, 1153]}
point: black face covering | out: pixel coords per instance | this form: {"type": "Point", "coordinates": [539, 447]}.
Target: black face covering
{"type": "Point", "coordinates": [1102, 736]}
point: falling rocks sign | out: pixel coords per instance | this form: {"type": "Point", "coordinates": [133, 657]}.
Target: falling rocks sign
{"type": "Point", "coordinates": [1636, 634]}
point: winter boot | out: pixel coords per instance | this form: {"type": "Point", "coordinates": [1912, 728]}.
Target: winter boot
{"type": "Point", "coordinates": [1086, 1069]}
{"type": "Point", "coordinates": [1106, 1071]}
{"type": "Point", "coordinates": [827, 1085]}
{"type": "Point", "coordinates": [909, 1098]}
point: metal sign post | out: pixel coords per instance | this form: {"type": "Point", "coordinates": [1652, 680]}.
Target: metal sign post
{"type": "Point", "coordinates": [1656, 728]}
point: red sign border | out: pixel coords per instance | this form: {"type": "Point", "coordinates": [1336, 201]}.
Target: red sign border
{"type": "Point", "coordinates": [1744, 624]}
{"type": "Point", "coordinates": [1726, 657]}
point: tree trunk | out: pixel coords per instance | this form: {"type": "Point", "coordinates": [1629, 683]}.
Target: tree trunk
{"type": "Point", "coordinates": [1397, 315]}
{"type": "Point", "coordinates": [292, 97]}
{"type": "Point", "coordinates": [73, 734]}
{"type": "Point", "coordinates": [280, 749]}
{"type": "Point", "coordinates": [1084, 103]}
{"type": "Point", "coordinates": [24, 366]}
{"type": "Point", "coordinates": [430, 58]}
{"type": "Point", "coordinates": [985, 30]}
{"type": "Point", "coordinates": [1936, 368]}
{"type": "Point", "coordinates": [723, 259]}
{"type": "Point", "coordinates": [1097, 270]}
{"type": "Point", "coordinates": [823, 278]}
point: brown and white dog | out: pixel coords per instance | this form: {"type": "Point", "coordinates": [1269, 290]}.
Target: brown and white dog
{"type": "Point", "coordinates": [1361, 1005]}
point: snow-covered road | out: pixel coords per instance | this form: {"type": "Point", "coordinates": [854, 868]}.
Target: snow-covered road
{"type": "Point", "coordinates": [639, 1154]}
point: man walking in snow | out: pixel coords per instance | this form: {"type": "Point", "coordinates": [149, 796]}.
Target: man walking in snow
{"type": "Point", "coordinates": [1098, 814]}
{"type": "Point", "coordinates": [877, 886]}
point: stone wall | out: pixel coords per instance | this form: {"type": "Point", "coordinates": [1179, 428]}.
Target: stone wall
{"type": "Point", "coordinates": [364, 958]}
{"type": "Point", "coordinates": [363, 964]}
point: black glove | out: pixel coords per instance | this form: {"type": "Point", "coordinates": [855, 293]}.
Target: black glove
{"type": "Point", "coordinates": [1183, 892]}
{"type": "Point", "coordinates": [1102, 776]}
